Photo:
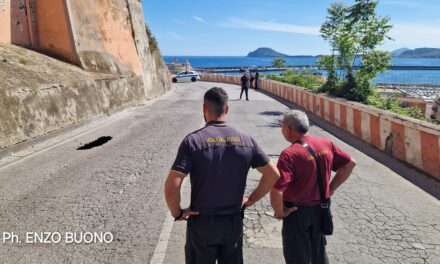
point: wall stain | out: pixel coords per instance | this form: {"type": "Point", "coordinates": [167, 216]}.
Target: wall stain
{"type": "Point", "coordinates": [389, 144]}
{"type": "Point", "coordinates": [21, 5]}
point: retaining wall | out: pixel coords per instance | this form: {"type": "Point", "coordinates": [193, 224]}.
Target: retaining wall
{"type": "Point", "coordinates": [30, 113]}
{"type": "Point", "coordinates": [407, 139]}
{"type": "Point", "coordinates": [39, 94]}
{"type": "Point", "coordinates": [106, 38]}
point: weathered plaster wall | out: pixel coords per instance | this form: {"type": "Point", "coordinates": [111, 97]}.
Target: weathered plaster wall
{"type": "Point", "coordinates": [28, 113]}
{"type": "Point", "coordinates": [19, 23]}
{"type": "Point", "coordinates": [410, 140]}
{"type": "Point", "coordinates": [103, 36]}
{"type": "Point", "coordinates": [5, 21]}
{"type": "Point", "coordinates": [54, 35]}
{"type": "Point", "coordinates": [107, 38]}
{"type": "Point", "coordinates": [41, 94]}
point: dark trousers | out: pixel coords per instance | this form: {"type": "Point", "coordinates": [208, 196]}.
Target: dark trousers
{"type": "Point", "coordinates": [303, 241]}
{"type": "Point", "coordinates": [211, 238]}
{"type": "Point", "coordinates": [256, 84]}
{"type": "Point", "coordinates": [244, 88]}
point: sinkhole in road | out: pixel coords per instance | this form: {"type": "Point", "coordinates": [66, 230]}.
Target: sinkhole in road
{"type": "Point", "coordinates": [96, 143]}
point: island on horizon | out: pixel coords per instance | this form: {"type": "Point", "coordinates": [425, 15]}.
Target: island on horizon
{"type": "Point", "coordinates": [268, 52]}
{"type": "Point", "coordinates": [425, 53]}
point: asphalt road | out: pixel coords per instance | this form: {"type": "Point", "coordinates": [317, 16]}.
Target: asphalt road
{"type": "Point", "coordinates": [117, 188]}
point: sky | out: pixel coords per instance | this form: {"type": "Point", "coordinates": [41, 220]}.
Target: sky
{"type": "Point", "coordinates": [236, 27]}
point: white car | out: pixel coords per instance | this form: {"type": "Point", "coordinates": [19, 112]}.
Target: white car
{"type": "Point", "coordinates": [186, 76]}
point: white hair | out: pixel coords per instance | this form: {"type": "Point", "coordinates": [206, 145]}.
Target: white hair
{"type": "Point", "coordinates": [297, 120]}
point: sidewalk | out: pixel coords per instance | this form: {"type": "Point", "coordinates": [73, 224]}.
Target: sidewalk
{"type": "Point", "coordinates": [379, 216]}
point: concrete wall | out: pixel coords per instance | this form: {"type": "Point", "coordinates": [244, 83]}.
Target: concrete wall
{"type": "Point", "coordinates": [103, 35]}
{"type": "Point", "coordinates": [19, 23]}
{"type": "Point", "coordinates": [407, 139]}
{"type": "Point", "coordinates": [5, 21]}
{"type": "Point", "coordinates": [41, 25]}
{"type": "Point", "coordinates": [107, 38]}
{"type": "Point", "coordinates": [53, 29]}
{"type": "Point", "coordinates": [28, 113]}
{"type": "Point", "coordinates": [39, 94]}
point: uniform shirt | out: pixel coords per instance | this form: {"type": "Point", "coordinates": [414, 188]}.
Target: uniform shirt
{"type": "Point", "coordinates": [298, 181]}
{"type": "Point", "coordinates": [244, 81]}
{"type": "Point", "coordinates": [218, 158]}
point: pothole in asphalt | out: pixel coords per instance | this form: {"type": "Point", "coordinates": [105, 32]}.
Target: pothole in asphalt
{"type": "Point", "coordinates": [96, 143]}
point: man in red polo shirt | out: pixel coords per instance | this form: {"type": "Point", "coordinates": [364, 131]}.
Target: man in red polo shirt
{"type": "Point", "coordinates": [295, 198]}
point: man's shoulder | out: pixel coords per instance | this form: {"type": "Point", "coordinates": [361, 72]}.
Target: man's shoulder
{"type": "Point", "coordinates": [196, 134]}
{"type": "Point", "coordinates": [314, 139]}
{"type": "Point", "coordinates": [290, 151]}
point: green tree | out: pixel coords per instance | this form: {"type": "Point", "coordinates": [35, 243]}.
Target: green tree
{"type": "Point", "coordinates": [279, 63]}
{"type": "Point", "coordinates": [354, 34]}
{"type": "Point", "coordinates": [328, 63]}
{"type": "Point", "coordinates": [332, 30]}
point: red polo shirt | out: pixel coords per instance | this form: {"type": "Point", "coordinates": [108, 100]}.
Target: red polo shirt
{"type": "Point", "coordinates": [298, 180]}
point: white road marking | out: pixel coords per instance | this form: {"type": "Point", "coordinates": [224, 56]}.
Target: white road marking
{"type": "Point", "coordinates": [162, 244]}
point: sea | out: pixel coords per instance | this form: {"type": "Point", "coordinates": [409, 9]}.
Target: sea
{"type": "Point", "coordinates": [391, 76]}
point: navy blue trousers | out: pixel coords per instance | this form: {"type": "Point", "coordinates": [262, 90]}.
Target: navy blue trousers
{"type": "Point", "coordinates": [214, 238]}
{"type": "Point", "coordinates": [244, 89]}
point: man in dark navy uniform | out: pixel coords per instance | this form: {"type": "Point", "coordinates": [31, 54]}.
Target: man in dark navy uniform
{"type": "Point", "coordinates": [244, 85]}
{"type": "Point", "coordinates": [218, 158]}
{"type": "Point", "coordinates": [257, 79]}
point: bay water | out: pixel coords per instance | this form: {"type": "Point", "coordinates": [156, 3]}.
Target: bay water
{"type": "Point", "coordinates": [391, 76]}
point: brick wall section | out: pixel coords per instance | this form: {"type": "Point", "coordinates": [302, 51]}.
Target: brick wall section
{"type": "Point", "coordinates": [410, 140]}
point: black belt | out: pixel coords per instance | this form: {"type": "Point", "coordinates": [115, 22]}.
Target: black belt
{"type": "Point", "coordinates": [293, 204]}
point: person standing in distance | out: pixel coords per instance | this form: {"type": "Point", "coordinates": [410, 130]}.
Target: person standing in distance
{"type": "Point", "coordinates": [303, 239]}
{"type": "Point", "coordinates": [257, 78]}
{"type": "Point", "coordinates": [244, 86]}
{"type": "Point", "coordinates": [218, 158]}
{"type": "Point", "coordinates": [248, 76]}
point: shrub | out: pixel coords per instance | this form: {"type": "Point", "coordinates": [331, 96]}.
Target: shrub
{"type": "Point", "coordinates": [393, 105]}
{"type": "Point", "coordinates": [151, 39]}
{"type": "Point", "coordinates": [303, 79]}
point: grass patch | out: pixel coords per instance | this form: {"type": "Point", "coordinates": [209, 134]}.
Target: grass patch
{"type": "Point", "coordinates": [393, 105]}
{"type": "Point", "coordinates": [23, 61]}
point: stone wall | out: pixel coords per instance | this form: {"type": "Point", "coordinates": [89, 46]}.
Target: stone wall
{"type": "Point", "coordinates": [103, 36]}
{"type": "Point", "coordinates": [39, 94]}
{"type": "Point", "coordinates": [27, 114]}
{"type": "Point", "coordinates": [150, 58]}
{"type": "Point", "coordinates": [5, 21]}
{"type": "Point", "coordinates": [106, 38]}
{"type": "Point", "coordinates": [410, 140]}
